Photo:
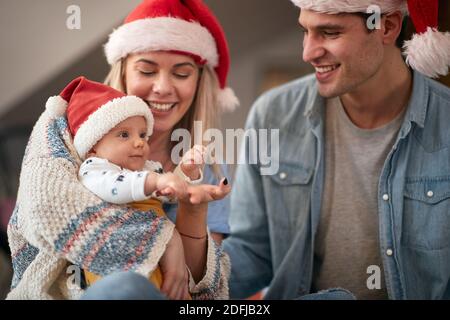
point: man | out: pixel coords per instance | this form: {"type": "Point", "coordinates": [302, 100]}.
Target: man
{"type": "Point", "coordinates": [362, 197]}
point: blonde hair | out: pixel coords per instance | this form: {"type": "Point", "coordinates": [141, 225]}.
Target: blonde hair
{"type": "Point", "coordinates": [115, 78]}
{"type": "Point", "coordinates": [204, 107]}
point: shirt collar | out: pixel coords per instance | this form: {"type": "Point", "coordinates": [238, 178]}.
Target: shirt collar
{"type": "Point", "coordinates": [418, 102]}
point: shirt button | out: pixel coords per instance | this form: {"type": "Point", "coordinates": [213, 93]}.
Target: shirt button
{"type": "Point", "coordinates": [430, 194]}
{"type": "Point", "coordinates": [385, 197]}
{"type": "Point", "coordinates": [389, 252]}
{"type": "Point", "coordinates": [283, 175]}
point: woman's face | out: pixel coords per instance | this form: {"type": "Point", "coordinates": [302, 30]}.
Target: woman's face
{"type": "Point", "coordinates": [166, 81]}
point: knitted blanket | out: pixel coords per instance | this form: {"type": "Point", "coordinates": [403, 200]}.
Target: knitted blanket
{"type": "Point", "coordinates": [57, 223]}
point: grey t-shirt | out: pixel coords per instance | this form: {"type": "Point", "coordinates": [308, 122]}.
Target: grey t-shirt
{"type": "Point", "coordinates": [347, 241]}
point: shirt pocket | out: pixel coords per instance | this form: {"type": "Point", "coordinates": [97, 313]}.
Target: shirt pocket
{"type": "Point", "coordinates": [288, 196]}
{"type": "Point", "coordinates": [426, 214]}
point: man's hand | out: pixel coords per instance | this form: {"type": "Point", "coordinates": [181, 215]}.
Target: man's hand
{"type": "Point", "coordinates": [174, 270]}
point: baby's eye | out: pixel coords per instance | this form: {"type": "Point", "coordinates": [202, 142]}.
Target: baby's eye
{"type": "Point", "coordinates": [143, 135]}
{"type": "Point", "coordinates": [123, 134]}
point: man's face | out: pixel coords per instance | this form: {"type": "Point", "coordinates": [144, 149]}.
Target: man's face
{"type": "Point", "coordinates": [340, 48]}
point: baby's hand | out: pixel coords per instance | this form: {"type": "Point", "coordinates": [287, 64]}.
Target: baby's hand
{"type": "Point", "coordinates": [193, 161]}
{"type": "Point", "coordinates": [169, 184]}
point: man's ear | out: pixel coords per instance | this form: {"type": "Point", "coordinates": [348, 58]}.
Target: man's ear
{"type": "Point", "coordinates": [392, 26]}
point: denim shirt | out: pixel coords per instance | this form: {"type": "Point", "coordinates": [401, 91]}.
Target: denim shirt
{"type": "Point", "coordinates": [273, 226]}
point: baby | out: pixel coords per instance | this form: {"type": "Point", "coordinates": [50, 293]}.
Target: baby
{"type": "Point", "coordinates": [111, 132]}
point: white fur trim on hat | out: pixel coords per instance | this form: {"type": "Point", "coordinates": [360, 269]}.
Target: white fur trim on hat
{"type": "Point", "coordinates": [429, 52]}
{"type": "Point", "coordinates": [159, 34]}
{"type": "Point", "coordinates": [227, 100]}
{"type": "Point", "coordinates": [106, 118]}
{"type": "Point", "coordinates": [339, 6]}
{"type": "Point", "coordinates": [56, 106]}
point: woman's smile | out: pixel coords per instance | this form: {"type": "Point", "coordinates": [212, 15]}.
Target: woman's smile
{"type": "Point", "coordinates": [161, 106]}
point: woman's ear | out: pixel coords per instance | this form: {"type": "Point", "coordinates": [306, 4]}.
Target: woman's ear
{"type": "Point", "coordinates": [392, 27]}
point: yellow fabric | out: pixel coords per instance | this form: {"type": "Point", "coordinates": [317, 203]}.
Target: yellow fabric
{"type": "Point", "coordinates": [146, 205]}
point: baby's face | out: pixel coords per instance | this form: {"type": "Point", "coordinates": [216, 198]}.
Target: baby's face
{"type": "Point", "coordinates": [125, 145]}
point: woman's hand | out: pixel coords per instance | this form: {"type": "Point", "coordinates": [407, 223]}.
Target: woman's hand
{"type": "Point", "coordinates": [174, 270]}
{"type": "Point", "coordinates": [204, 193]}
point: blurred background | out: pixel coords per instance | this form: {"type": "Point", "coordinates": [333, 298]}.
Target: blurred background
{"type": "Point", "coordinates": [40, 55]}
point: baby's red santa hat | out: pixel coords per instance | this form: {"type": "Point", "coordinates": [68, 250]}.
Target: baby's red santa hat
{"type": "Point", "coordinates": [427, 52]}
{"type": "Point", "coordinates": [181, 26]}
{"type": "Point", "coordinates": [93, 109]}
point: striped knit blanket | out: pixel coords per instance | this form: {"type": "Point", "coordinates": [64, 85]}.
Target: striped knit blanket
{"type": "Point", "coordinates": [58, 224]}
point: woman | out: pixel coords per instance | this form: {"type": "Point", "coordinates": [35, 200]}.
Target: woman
{"type": "Point", "coordinates": [183, 69]}
{"type": "Point", "coordinates": [168, 83]}
{"type": "Point", "coordinates": [172, 54]}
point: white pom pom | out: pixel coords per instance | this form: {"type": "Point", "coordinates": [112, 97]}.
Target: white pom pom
{"type": "Point", "coordinates": [56, 106]}
{"type": "Point", "coordinates": [227, 100]}
{"type": "Point", "coordinates": [429, 52]}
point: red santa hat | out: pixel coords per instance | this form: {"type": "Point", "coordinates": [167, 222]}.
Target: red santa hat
{"type": "Point", "coordinates": [427, 52]}
{"type": "Point", "coordinates": [182, 26]}
{"type": "Point", "coordinates": [93, 109]}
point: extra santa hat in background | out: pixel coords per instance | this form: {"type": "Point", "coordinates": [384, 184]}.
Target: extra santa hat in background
{"type": "Point", "coordinates": [93, 109]}
{"type": "Point", "coordinates": [181, 26]}
{"type": "Point", "coordinates": [427, 52]}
